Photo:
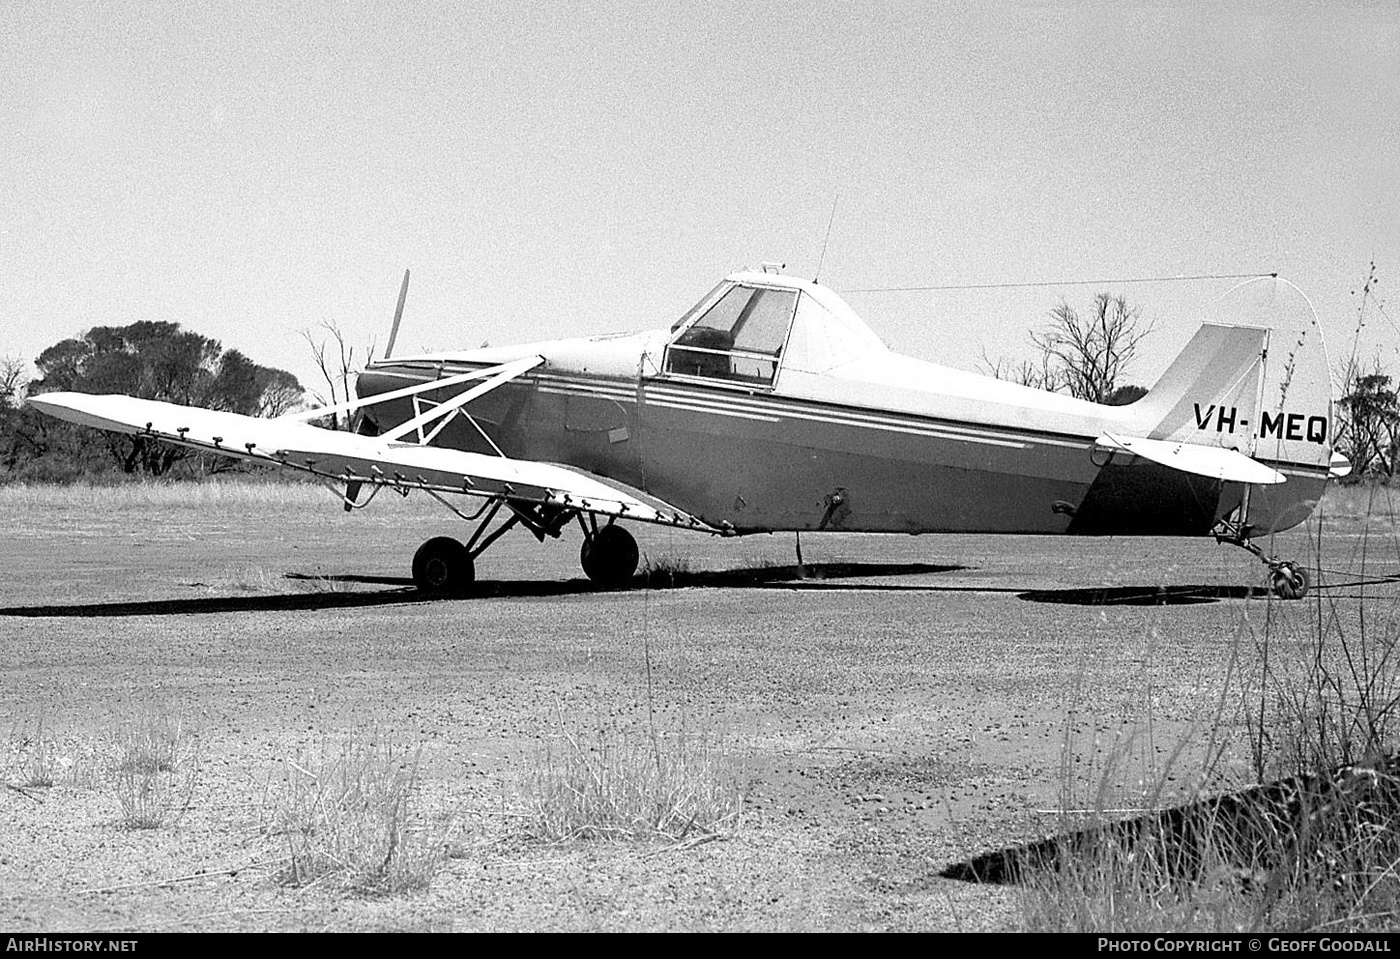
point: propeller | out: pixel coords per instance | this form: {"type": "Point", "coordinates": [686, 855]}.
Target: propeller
{"type": "Point", "coordinates": [398, 315]}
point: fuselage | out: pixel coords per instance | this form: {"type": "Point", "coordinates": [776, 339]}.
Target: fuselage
{"type": "Point", "coordinates": [828, 430]}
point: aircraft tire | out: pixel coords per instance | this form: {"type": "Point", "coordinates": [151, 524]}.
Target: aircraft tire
{"type": "Point", "coordinates": [1289, 581]}
{"type": "Point", "coordinates": [609, 557]}
{"type": "Point", "coordinates": [442, 566]}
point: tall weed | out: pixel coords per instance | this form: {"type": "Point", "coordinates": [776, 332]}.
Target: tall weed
{"type": "Point", "coordinates": [1314, 846]}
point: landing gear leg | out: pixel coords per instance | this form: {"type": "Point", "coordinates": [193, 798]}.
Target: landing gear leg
{"type": "Point", "coordinates": [609, 555]}
{"type": "Point", "coordinates": [1287, 578]}
{"type": "Point", "coordinates": [443, 566]}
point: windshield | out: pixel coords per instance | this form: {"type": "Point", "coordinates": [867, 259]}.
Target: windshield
{"type": "Point", "coordinates": [738, 338]}
{"type": "Point", "coordinates": [702, 302]}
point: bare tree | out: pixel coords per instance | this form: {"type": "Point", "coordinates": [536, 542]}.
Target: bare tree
{"type": "Point", "coordinates": [1082, 356]}
{"type": "Point", "coordinates": [280, 393]}
{"type": "Point", "coordinates": [1090, 354]}
{"type": "Point", "coordinates": [336, 360]}
{"type": "Point", "coordinates": [1040, 376]}
{"type": "Point", "coordinates": [11, 380]}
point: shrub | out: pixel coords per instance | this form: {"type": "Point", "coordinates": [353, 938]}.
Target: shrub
{"type": "Point", "coordinates": [606, 783]}
{"type": "Point", "coordinates": [662, 572]}
{"type": "Point", "coordinates": [348, 817]}
{"type": "Point", "coordinates": [154, 767]}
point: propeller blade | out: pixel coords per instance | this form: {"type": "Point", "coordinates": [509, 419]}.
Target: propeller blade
{"type": "Point", "coordinates": [398, 315]}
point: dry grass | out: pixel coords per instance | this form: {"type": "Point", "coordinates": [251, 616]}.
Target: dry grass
{"type": "Point", "coordinates": [606, 783]}
{"type": "Point", "coordinates": [38, 758]}
{"type": "Point", "coordinates": [154, 765]}
{"type": "Point", "coordinates": [35, 756]}
{"type": "Point", "coordinates": [206, 494]}
{"type": "Point", "coordinates": [1312, 849]}
{"type": "Point", "coordinates": [1118, 885]}
{"type": "Point", "coordinates": [1378, 503]}
{"type": "Point", "coordinates": [348, 817]}
{"type": "Point", "coordinates": [1301, 855]}
{"type": "Point", "coordinates": [661, 572]}
{"type": "Point", "coordinates": [259, 580]}
{"type": "Point", "coordinates": [246, 578]}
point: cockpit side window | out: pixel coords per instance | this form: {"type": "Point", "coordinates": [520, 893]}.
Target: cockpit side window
{"type": "Point", "coordinates": [739, 338]}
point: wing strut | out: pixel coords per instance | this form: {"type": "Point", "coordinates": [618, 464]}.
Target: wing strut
{"type": "Point", "coordinates": [515, 368]}
{"type": "Point", "coordinates": [504, 373]}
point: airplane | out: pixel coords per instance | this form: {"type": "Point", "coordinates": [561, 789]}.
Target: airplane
{"type": "Point", "coordinates": [771, 406]}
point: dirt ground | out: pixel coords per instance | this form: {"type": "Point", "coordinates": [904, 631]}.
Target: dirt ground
{"type": "Point", "coordinates": [898, 705]}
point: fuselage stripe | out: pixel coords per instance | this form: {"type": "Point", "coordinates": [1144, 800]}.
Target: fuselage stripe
{"type": "Point", "coordinates": [766, 409]}
{"type": "Point", "coordinates": [715, 411]}
{"type": "Point", "coordinates": [771, 409]}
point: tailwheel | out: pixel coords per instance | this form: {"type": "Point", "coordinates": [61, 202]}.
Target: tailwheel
{"type": "Point", "coordinates": [609, 556]}
{"type": "Point", "coordinates": [443, 566]}
{"type": "Point", "coordinates": [1288, 580]}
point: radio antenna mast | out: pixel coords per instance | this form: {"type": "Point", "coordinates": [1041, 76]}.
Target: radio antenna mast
{"type": "Point", "coordinates": [822, 259]}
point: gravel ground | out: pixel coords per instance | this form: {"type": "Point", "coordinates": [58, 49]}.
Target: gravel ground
{"type": "Point", "coordinates": [910, 703]}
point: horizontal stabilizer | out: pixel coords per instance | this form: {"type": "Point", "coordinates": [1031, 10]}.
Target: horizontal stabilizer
{"type": "Point", "coordinates": [1213, 461]}
{"type": "Point", "coordinates": [351, 458]}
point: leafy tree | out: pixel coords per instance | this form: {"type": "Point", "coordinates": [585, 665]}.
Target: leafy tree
{"type": "Point", "coordinates": [11, 383]}
{"type": "Point", "coordinates": [1125, 395]}
{"type": "Point", "coordinates": [1365, 419]}
{"type": "Point", "coordinates": [158, 361]}
{"type": "Point", "coordinates": [278, 391]}
{"type": "Point", "coordinates": [1370, 410]}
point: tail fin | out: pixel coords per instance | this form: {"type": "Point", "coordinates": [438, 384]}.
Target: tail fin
{"type": "Point", "coordinates": [1262, 387]}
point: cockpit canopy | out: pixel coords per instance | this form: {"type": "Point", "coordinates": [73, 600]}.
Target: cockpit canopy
{"type": "Point", "coordinates": [739, 337]}
{"type": "Point", "coordinates": [753, 324]}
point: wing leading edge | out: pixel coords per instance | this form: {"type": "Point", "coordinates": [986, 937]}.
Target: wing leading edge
{"type": "Point", "coordinates": [351, 458]}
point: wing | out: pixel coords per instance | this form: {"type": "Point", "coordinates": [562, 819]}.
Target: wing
{"type": "Point", "coordinates": [1213, 461]}
{"type": "Point", "coordinates": [374, 460]}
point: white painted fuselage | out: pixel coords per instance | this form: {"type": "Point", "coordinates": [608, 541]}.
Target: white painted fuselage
{"type": "Point", "coordinates": [829, 430]}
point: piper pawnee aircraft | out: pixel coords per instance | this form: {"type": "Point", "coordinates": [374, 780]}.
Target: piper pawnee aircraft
{"type": "Point", "coordinates": [770, 406]}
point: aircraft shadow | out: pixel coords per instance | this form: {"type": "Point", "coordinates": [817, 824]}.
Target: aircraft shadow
{"type": "Point", "coordinates": [812, 576]}
{"type": "Point", "coordinates": [401, 590]}
{"type": "Point", "coordinates": [807, 576]}
{"type": "Point", "coordinates": [1249, 831]}
{"type": "Point", "coordinates": [1142, 595]}
{"type": "Point", "coordinates": [291, 602]}
{"type": "Point", "coordinates": [789, 576]}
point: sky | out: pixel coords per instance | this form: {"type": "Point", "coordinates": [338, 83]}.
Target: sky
{"type": "Point", "coordinates": [252, 170]}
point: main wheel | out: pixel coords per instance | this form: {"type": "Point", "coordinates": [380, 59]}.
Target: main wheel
{"type": "Point", "coordinates": [442, 565]}
{"type": "Point", "coordinates": [609, 556]}
{"type": "Point", "coordinates": [1289, 581]}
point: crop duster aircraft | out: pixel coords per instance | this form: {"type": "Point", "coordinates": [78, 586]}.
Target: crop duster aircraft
{"type": "Point", "coordinates": [770, 406]}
